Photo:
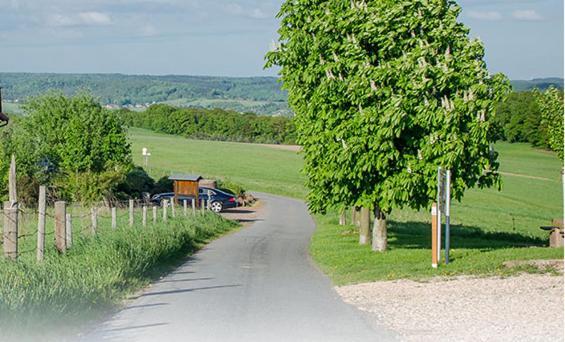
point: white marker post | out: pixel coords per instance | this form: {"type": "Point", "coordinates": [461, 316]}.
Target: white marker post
{"type": "Point", "coordinates": [439, 210]}
{"type": "Point", "coordinates": [145, 153]}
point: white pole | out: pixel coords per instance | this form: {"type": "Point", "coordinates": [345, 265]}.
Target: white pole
{"type": "Point", "coordinates": [439, 180]}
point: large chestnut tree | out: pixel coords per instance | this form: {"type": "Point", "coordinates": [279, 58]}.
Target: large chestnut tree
{"type": "Point", "coordinates": [385, 92]}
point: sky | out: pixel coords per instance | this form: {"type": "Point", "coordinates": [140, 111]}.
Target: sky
{"type": "Point", "coordinates": [523, 38]}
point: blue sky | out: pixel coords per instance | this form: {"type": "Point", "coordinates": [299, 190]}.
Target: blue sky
{"type": "Point", "coordinates": [523, 38]}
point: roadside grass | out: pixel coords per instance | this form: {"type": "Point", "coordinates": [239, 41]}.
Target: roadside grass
{"type": "Point", "coordinates": [474, 251]}
{"type": "Point", "coordinates": [96, 273]}
{"type": "Point", "coordinates": [254, 166]}
{"type": "Point", "coordinates": [490, 226]}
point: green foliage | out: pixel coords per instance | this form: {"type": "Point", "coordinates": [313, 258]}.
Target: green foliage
{"type": "Point", "coordinates": [136, 182]}
{"type": "Point", "coordinates": [518, 119]}
{"type": "Point", "coordinates": [551, 107]}
{"type": "Point", "coordinates": [385, 92]}
{"type": "Point", "coordinates": [97, 272]}
{"type": "Point", "coordinates": [230, 186]}
{"type": "Point", "coordinates": [71, 142]}
{"type": "Point", "coordinates": [214, 124]}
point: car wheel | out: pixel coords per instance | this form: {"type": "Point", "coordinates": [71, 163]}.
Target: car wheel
{"type": "Point", "coordinates": [216, 207]}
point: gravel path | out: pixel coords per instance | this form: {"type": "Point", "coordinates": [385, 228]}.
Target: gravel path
{"type": "Point", "coordinates": [522, 308]}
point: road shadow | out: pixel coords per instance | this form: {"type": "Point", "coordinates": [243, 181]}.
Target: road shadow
{"type": "Point", "coordinates": [168, 292]}
{"type": "Point", "coordinates": [417, 235]}
{"type": "Point", "coordinates": [184, 280]}
{"type": "Point", "coordinates": [239, 211]}
{"type": "Point", "coordinates": [143, 326]}
{"type": "Point", "coordinates": [144, 306]}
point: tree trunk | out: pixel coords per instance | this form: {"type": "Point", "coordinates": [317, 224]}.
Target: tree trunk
{"type": "Point", "coordinates": [353, 215]}
{"type": "Point", "coordinates": [365, 230]}
{"type": "Point", "coordinates": [342, 217]}
{"type": "Point", "coordinates": [379, 231]}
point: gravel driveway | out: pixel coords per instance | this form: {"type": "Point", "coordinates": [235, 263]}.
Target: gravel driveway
{"type": "Point", "coordinates": [522, 308]}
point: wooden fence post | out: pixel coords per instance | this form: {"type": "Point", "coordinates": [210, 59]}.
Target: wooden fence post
{"type": "Point", "coordinates": [114, 218]}
{"type": "Point", "coordinates": [69, 230]}
{"type": "Point", "coordinates": [193, 206]}
{"type": "Point", "coordinates": [185, 207]}
{"type": "Point", "coordinates": [41, 223]}
{"type": "Point", "coordinates": [60, 226]}
{"type": "Point", "coordinates": [144, 216]}
{"type": "Point", "coordinates": [173, 204]}
{"type": "Point", "coordinates": [94, 220]}
{"type": "Point", "coordinates": [12, 188]}
{"type": "Point", "coordinates": [202, 205]}
{"type": "Point", "coordinates": [131, 203]}
{"type": "Point", "coordinates": [154, 214]}
{"type": "Point", "coordinates": [342, 220]}
{"type": "Point", "coordinates": [11, 230]}
{"type": "Point", "coordinates": [165, 205]}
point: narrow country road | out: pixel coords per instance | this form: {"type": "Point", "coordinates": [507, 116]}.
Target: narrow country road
{"type": "Point", "coordinates": [257, 284]}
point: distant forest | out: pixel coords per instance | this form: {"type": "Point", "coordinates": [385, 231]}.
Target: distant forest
{"type": "Point", "coordinates": [260, 95]}
{"type": "Point", "coordinates": [213, 124]}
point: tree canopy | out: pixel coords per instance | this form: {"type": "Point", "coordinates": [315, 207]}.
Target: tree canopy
{"type": "Point", "coordinates": [384, 92]}
{"type": "Point", "coordinates": [71, 143]}
{"type": "Point", "coordinates": [551, 108]}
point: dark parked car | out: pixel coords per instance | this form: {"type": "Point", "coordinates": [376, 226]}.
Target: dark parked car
{"type": "Point", "coordinates": [219, 199]}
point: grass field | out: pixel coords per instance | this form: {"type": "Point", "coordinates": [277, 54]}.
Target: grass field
{"type": "Point", "coordinates": [256, 167]}
{"type": "Point", "coordinates": [490, 226]}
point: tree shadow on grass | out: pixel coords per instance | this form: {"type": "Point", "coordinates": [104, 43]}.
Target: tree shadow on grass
{"type": "Point", "coordinates": [417, 235]}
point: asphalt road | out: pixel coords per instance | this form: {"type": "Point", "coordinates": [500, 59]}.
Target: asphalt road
{"type": "Point", "coordinates": [257, 284]}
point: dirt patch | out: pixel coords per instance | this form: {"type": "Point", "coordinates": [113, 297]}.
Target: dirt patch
{"type": "Point", "coordinates": [246, 215]}
{"type": "Point", "coordinates": [528, 307]}
{"type": "Point", "coordinates": [293, 148]}
{"type": "Point", "coordinates": [525, 176]}
{"type": "Point", "coordinates": [543, 265]}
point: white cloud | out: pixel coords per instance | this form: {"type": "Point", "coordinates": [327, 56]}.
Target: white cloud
{"type": "Point", "coordinates": [258, 13]}
{"type": "Point", "coordinates": [94, 18]}
{"type": "Point", "coordinates": [255, 13]}
{"type": "Point", "coordinates": [79, 19]}
{"type": "Point", "coordinates": [149, 31]}
{"type": "Point", "coordinates": [485, 15]}
{"type": "Point", "coordinates": [527, 15]}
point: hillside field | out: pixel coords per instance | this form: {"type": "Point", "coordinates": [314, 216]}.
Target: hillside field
{"type": "Point", "coordinates": [488, 220]}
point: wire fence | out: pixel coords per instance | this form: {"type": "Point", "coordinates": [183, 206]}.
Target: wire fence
{"type": "Point", "coordinates": [28, 231]}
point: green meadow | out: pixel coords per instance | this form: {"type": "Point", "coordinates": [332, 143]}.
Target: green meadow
{"type": "Point", "coordinates": [256, 167]}
{"type": "Point", "coordinates": [489, 226]}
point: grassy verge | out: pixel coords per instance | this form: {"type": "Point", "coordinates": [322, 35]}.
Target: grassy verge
{"type": "Point", "coordinates": [336, 250]}
{"type": "Point", "coordinates": [97, 272]}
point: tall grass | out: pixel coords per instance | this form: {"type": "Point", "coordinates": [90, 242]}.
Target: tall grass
{"type": "Point", "coordinates": [98, 271]}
